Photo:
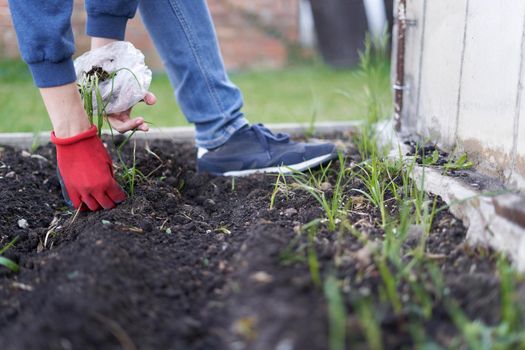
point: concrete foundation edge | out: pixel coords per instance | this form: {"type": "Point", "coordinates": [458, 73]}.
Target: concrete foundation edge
{"type": "Point", "coordinates": [483, 213]}
{"type": "Point", "coordinates": [184, 133]}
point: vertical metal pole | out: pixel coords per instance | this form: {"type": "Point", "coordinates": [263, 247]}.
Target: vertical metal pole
{"type": "Point", "coordinates": [400, 63]}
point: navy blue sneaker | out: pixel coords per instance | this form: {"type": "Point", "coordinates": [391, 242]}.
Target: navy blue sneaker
{"type": "Point", "coordinates": [255, 149]}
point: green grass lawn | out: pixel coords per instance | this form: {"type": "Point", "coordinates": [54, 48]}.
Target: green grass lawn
{"type": "Point", "coordinates": [294, 94]}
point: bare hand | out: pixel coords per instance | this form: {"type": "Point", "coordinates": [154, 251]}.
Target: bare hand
{"type": "Point", "coordinates": [123, 122]}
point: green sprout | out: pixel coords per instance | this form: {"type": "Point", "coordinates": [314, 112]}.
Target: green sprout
{"type": "Point", "coordinates": [462, 163]}
{"type": "Point", "coordinates": [313, 262]}
{"type": "Point", "coordinates": [336, 314]}
{"type": "Point", "coordinates": [8, 263]}
{"type": "Point", "coordinates": [332, 206]}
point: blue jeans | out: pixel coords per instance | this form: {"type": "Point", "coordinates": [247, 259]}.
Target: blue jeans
{"type": "Point", "coordinates": [183, 33]}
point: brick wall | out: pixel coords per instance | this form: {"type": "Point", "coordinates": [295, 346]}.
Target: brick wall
{"type": "Point", "coordinates": [255, 33]}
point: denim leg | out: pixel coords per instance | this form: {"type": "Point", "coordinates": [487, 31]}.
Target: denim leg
{"type": "Point", "coordinates": [45, 39]}
{"type": "Point", "coordinates": [183, 33]}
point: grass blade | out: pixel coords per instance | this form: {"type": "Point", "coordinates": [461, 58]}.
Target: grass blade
{"type": "Point", "coordinates": [10, 264]}
{"type": "Point", "coordinates": [336, 314]}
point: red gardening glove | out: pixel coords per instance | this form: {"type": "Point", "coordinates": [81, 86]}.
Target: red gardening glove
{"type": "Point", "coordinates": [86, 172]}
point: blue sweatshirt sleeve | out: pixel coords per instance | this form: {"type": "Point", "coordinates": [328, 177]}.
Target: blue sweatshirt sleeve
{"type": "Point", "coordinates": [108, 19]}
{"type": "Point", "coordinates": [45, 39]}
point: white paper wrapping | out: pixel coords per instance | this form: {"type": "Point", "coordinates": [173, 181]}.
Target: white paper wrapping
{"type": "Point", "coordinates": [121, 57]}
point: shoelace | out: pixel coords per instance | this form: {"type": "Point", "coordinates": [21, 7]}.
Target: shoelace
{"type": "Point", "coordinates": [264, 134]}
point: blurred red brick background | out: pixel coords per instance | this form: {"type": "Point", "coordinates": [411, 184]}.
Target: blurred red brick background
{"type": "Point", "coordinates": [254, 33]}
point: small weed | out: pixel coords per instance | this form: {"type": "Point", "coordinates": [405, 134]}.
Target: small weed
{"type": "Point", "coordinates": [366, 141]}
{"type": "Point", "coordinates": [276, 189]}
{"type": "Point", "coordinates": [423, 305]}
{"type": "Point", "coordinates": [390, 284]}
{"type": "Point", "coordinates": [509, 334]}
{"type": "Point", "coordinates": [318, 177]}
{"type": "Point", "coordinates": [291, 255]}
{"type": "Point", "coordinates": [336, 313]}
{"type": "Point", "coordinates": [129, 175]}
{"type": "Point", "coordinates": [36, 142]}
{"type": "Point", "coordinates": [376, 180]}
{"type": "Point", "coordinates": [510, 313]}
{"type": "Point", "coordinates": [373, 62]}
{"type": "Point", "coordinates": [313, 262]}
{"type": "Point", "coordinates": [331, 206]}
{"type": "Point", "coordinates": [431, 159]}
{"type": "Point", "coordinates": [310, 132]}
{"type": "Point", "coordinates": [462, 163]}
{"type": "Point", "coordinates": [8, 263]}
{"type": "Point", "coordinates": [369, 323]}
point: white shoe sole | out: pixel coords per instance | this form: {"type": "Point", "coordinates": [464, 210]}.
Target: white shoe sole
{"type": "Point", "coordinates": [284, 169]}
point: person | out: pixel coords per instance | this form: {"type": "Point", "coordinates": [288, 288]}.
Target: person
{"type": "Point", "coordinates": [184, 36]}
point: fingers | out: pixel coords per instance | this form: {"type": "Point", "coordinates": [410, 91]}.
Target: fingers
{"type": "Point", "coordinates": [96, 198]}
{"type": "Point", "coordinates": [74, 199]}
{"type": "Point", "coordinates": [104, 200]}
{"type": "Point", "coordinates": [122, 122]}
{"type": "Point", "coordinates": [107, 200]}
{"type": "Point", "coordinates": [141, 124]}
{"type": "Point", "coordinates": [91, 203]}
{"type": "Point", "coordinates": [150, 99]}
{"type": "Point", "coordinates": [123, 126]}
{"type": "Point", "coordinates": [115, 193]}
{"type": "Point", "coordinates": [99, 200]}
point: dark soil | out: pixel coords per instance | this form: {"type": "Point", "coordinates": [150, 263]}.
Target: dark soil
{"type": "Point", "coordinates": [196, 262]}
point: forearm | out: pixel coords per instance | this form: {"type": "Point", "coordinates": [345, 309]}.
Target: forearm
{"type": "Point", "coordinates": [99, 42]}
{"type": "Point", "coordinates": [65, 110]}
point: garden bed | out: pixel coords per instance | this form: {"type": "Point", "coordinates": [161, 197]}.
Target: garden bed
{"type": "Point", "coordinates": [199, 262]}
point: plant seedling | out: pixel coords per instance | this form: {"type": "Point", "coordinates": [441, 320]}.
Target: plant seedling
{"type": "Point", "coordinates": [8, 263]}
{"type": "Point", "coordinates": [390, 284]}
{"type": "Point", "coordinates": [331, 206]}
{"type": "Point", "coordinates": [462, 163]}
{"type": "Point", "coordinates": [336, 313]}
{"type": "Point", "coordinates": [36, 142]}
{"type": "Point", "coordinates": [369, 323]}
{"type": "Point", "coordinates": [275, 190]}
{"type": "Point", "coordinates": [431, 159]}
{"type": "Point", "coordinates": [310, 132]}
{"type": "Point", "coordinates": [376, 185]}
{"type": "Point", "coordinates": [313, 262]}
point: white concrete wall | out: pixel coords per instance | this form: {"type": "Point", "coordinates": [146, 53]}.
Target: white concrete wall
{"type": "Point", "coordinates": [465, 67]}
{"type": "Point", "coordinates": [440, 70]}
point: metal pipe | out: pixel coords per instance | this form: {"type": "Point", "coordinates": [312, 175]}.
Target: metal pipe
{"type": "Point", "coordinates": [399, 85]}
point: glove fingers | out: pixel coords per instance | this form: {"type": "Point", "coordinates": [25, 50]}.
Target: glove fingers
{"type": "Point", "coordinates": [104, 200]}
{"type": "Point", "coordinates": [73, 198]}
{"type": "Point", "coordinates": [115, 193]}
{"type": "Point", "coordinates": [90, 202]}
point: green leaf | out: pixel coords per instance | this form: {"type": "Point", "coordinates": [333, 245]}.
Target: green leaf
{"type": "Point", "coordinates": [10, 264]}
{"type": "Point", "coordinates": [336, 314]}
{"type": "Point", "coordinates": [8, 245]}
